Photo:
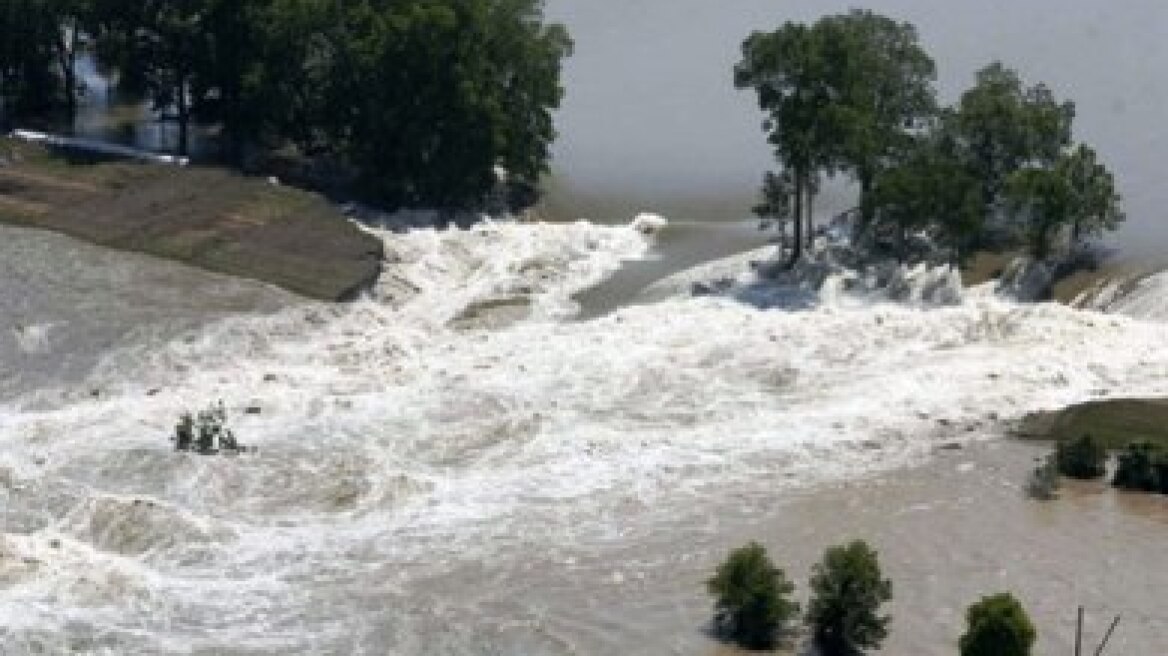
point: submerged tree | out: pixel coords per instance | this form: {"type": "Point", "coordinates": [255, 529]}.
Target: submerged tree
{"type": "Point", "coordinates": [752, 598]}
{"type": "Point", "coordinates": [998, 626]}
{"type": "Point", "coordinates": [848, 591]}
{"type": "Point", "coordinates": [1137, 468]}
{"type": "Point", "coordinates": [1082, 458]}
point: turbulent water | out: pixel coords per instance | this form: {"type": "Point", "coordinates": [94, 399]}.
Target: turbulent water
{"type": "Point", "coordinates": [457, 465]}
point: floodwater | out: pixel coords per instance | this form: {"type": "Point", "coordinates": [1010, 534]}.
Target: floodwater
{"type": "Point", "coordinates": [679, 246]}
{"type": "Point", "coordinates": [547, 486]}
{"type": "Point", "coordinates": [64, 304]}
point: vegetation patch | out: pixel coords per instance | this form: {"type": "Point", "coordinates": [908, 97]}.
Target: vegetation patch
{"type": "Point", "coordinates": [1143, 467]}
{"type": "Point", "coordinates": [848, 590]}
{"type": "Point", "coordinates": [1082, 458]}
{"type": "Point", "coordinates": [998, 626]}
{"type": "Point", "coordinates": [1113, 424]}
{"type": "Point", "coordinates": [207, 433]}
{"type": "Point", "coordinates": [752, 604]}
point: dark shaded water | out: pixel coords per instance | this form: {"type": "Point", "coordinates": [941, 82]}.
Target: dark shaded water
{"type": "Point", "coordinates": [680, 246]}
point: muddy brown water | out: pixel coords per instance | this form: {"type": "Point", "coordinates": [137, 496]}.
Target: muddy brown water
{"type": "Point", "coordinates": [948, 533]}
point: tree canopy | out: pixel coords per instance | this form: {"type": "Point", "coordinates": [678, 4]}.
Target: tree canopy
{"type": "Point", "coordinates": [853, 94]}
{"type": "Point", "coordinates": [848, 590]}
{"type": "Point", "coordinates": [427, 103]}
{"type": "Point", "coordinates": [1004, 126]}
{"type": "Point", "coordinates": [842, 95]}
{"type": "Point", "coordinates": [998, 626]}
{"type": "Point", "coordinates": [752, 597]}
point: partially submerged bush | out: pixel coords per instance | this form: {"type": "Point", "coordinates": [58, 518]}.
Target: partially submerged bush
{"type": "Point", "coordinates": [848, 591]}
{"type": "Point", "coordinates": [207, 433]}
{"type": "Point", "coordinates": [1044, 480]}
{"type": "Point", "coordinates": [998, 626]}
{"type": "Point", "coordinates": [752, 604]}
{"type": "Point", "coordinates": [1083, 458]}
{"type": "Point", "coordinates": [1137, 468]}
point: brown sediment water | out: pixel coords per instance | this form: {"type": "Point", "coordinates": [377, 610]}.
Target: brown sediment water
{"type": "Point", "coordinates": [948, 533]}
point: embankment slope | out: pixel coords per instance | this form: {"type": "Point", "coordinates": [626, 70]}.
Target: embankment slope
{"type": "Point", "coordinates": [205, 217]}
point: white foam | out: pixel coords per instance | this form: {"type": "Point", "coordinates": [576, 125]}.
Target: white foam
{"type": "Point", "coordinates": [1145, 298]}
{"type": "Point", "coordinates": [389, 437]}
{"type": "Point", "coordinates": [34, 338]}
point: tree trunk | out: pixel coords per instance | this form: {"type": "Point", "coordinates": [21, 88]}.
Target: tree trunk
{"type": "Point", "coordinates": [797, 248]}
{"type": "Point", "coordinates": [867, 210]}
{"type": "Point", "coordinates": [184, 118]}
{"type": "Point", "coordinates": [810, 217]}
{"type": "Point", "coordinates": [67, 60]}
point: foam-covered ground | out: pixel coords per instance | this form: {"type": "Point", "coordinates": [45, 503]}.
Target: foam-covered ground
{"type": "Point", "coordinates": [396, 441]}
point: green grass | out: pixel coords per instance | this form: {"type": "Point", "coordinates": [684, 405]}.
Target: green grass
{"type": "Point", "coordinates": [1114, 423]}
{"type": "Point", "coordinates": [207, 217]}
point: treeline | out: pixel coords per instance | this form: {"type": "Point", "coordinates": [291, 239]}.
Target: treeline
{"type": "Point", "coordinates": [854, 94]}
{"type": "Point", "coordinates": [424, 103]}
{"type": "Point", "coordinates": [754, 606]}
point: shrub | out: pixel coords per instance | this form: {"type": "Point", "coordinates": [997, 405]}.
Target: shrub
{"type": "Point", "coordinates": [997, 626]}
{"type": "Point", "coordinates": [1161, 467]}
{"type": "Point", "coordinates": [1044, 480]}
{"type": "Point", "coordinates": [207, 434]}
{"type": "Point", "coordinates": [1137, 468]}
{"type": "Point", "coordinates": [1082, 458]}
{"type": "Point", "coordinates": [848, 591]}
{"type": "Point", "coordinates": [752, 605]}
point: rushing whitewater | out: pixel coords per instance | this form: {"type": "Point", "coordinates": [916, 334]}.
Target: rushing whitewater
{"type": "Point", "coordinates": [460, 416]}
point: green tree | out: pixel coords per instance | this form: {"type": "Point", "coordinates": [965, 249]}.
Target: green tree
{"type": "Point", "coordinates": [1137, 468]}
{"type": "Point", "coordinates": [752, 598]}
{"type": "Point", "coordinates": [786, 70]}
{"type": "Point", "coordinates": [230, 64]}
{"type": "Point", "coordinates": [1082, 458]}
{"type": "Point", "coordinates": [847, 593]}
{"type": "Point", "coordinates": [883, 95]}
{"type": "Point", "coordinates": [39, 44]}
{"type": "Point", "coordinates": [1043, 199]}
{"type": "Point", "coordinates": [928, 190]}
{"type": "Point", "coordinates": [997, 626]}
{"type": "Point", "coordinates": [846, 94]}
{"type": "Point", "coordinates": [159, 47]}
{"type": "Point", "coordinates": [430, 103]}
{"type": "Point", "coordinates": [1095, 203]}
{"type": "Point", "coordinates": [1005, 126]}
{"type": "Point", "coordinates": [1074, 193]}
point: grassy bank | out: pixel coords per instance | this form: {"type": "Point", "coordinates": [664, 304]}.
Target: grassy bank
{"type": "Point", "coordinates": [210, 218]}
{"type": "Point", "coordinates": [1114, 423]}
